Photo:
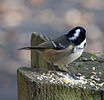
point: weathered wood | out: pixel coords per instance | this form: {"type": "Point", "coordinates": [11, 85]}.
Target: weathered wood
{"type": "Point", "coordinates": [31, 88]}
{"type": "Point", "coordinates": [37, 60]}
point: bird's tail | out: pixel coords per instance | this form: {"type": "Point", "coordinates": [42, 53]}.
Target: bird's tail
{"type": "Point", "coordinates": [33, 48]}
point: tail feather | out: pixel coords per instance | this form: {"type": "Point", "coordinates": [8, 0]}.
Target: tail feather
{"type": "Point", "coordinates": [34, 47]}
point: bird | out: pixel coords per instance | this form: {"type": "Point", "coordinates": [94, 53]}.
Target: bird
{"type": "Point", "coordinates": [63, 50]}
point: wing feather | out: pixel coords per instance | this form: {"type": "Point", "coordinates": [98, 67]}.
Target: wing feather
{"type": "Point", "coordinates": [56, 44]}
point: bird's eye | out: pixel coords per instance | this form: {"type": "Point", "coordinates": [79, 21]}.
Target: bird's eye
{"type": "Point", "coordinates": [84, 44]}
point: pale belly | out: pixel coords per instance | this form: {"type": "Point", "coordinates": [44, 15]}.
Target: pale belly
{"type": "Point", "coordinates": [62, 57]}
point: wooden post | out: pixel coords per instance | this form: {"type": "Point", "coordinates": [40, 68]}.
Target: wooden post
{"type": "Point", "coordinates": [33, 84]}
{"type": "Point", "coordinates": [31, 88]}
{"type": "Point", "coordinates": [37, 60]}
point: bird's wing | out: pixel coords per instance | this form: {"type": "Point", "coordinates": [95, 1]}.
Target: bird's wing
{"type": "Point", "coordinates": [56, 44]}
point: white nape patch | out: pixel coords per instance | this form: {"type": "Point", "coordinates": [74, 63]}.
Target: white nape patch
{"type": "Point", "coordinates": [82, 44]}
{"type": "Point", "coordinates": [76, 34]}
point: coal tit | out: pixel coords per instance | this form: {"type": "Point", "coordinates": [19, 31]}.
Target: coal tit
{"type": "Point", "coordinates": [64, 49]}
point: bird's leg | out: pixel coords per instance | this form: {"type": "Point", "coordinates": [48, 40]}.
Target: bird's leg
{"type": "Point", "coordinates": [72, 74]}
{"type": "Point", "coordinates": [55, 70]}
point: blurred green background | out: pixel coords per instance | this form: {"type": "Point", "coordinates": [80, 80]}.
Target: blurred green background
{"type": "Point", "coordinates": [19, 18]}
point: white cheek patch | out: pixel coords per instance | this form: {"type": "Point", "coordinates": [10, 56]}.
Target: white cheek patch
{"type": "Point", "coordinates": [76, 34]}
{"type": "Point", "coordinates": [82, 45]}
